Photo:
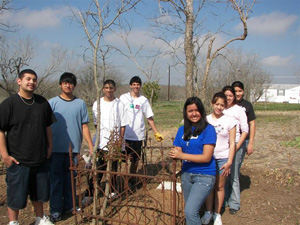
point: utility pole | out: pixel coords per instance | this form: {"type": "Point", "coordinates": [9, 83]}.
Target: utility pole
{"type": "Point", "coordinates": [169, 72]}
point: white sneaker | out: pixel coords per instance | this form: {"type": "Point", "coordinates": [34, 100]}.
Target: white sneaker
{"type": "Point", "coordinates": [43, 221]}
{"type": "Point", "coordinates": [217, 219]}
{"type": "Point", "coordinates": [112, 195]}
{"type": "Point", "coordinates": [207, 217]}
{"type": "Point", "coordinates": [13, 223]}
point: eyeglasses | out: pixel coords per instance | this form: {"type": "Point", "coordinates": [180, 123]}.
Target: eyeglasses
{"type": "Point", "coordinates": [66, 84]}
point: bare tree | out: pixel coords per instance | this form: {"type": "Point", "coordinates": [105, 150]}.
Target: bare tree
{"type": "Point", "coordinates": [96, 21]}
{"type": "Point", "coordinates": [14, 56]}
{"type": "Point", "coordinates": [248, 69]}
{"type": "Point", "coordinates": [188, 13]}
{"type": "Point", "coordinates": [18, 54]}
{"type": "Point", "coordinates": [240, 66]}
{"type": "Point", "coordinates": [4, 7]}
{"type": "Point", "coordinates": [243, 8]}
{"type": "Point", "coordinates": [86, 88]}
{"type": "Point", "coordinates": [146, 64]}
{"type": "Point", "coordinates": [57, 61]}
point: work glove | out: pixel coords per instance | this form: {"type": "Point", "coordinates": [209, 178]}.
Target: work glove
{"type": "Point", "coordinates": [88, 161]}
{"type": "Point", "coordinates": [158, 137]}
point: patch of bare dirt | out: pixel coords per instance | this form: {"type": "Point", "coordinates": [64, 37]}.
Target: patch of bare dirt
{"type": "Point", "coordinates": [270, 178]}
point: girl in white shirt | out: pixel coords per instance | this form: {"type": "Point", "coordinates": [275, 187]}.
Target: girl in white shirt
{"type": "Point", "coordinates": [232, 187]}
{"type": "Point", "coordinates": [224, 151]}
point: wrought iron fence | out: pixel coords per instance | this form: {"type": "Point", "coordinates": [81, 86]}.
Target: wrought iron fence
{"type": "Point", "coordinates": [151, 196]}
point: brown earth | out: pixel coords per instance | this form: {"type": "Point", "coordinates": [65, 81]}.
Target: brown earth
{"type": "Point", "coordinates": [270, 178]}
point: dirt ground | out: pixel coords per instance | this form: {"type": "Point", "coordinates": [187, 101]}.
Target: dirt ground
{"type": "Point", "coordinates": [270, 178]}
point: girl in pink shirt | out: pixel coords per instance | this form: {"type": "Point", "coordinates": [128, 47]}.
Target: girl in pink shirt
{"type": "Point", "coordinates": [232, 187]}
{"type": "Point", "coordinates": [224, 151]}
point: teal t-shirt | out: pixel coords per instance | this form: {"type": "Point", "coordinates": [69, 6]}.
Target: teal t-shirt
{"type": "Point", "coordinates": [70, 116]}
{"type": "Point", "coordinates": [195, 146]}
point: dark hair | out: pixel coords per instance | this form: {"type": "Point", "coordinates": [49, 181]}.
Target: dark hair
{"type": "Point", "coordinates": [217, 96]}
{"type": "Point", "coordinates": [238, 84]}
{"type": "Point", "coordinates": [135, 79]}
{"type": "Point", "coordinates": [68, 78]}
{"type": "Point", "coordinates": [188, 132]}
{"type": "Point", "coordinates": [30, 71]}
{"type": "Point", "coordinates": [231, 89]}
{"type": "Point", "coordinates": [109, 81]}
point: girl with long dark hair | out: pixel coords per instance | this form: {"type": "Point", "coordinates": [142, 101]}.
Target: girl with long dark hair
{"type": "Point", "coordinates": [194, 145]}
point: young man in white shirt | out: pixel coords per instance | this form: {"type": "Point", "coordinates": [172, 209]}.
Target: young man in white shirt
{"type": "Point", "coordinates": [137, 107]}
{"type": "Point", "coordinates": [112, 126]}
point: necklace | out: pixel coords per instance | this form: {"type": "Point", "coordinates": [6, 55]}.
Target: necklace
{"type": "Point", "coordinates": [33, 100]}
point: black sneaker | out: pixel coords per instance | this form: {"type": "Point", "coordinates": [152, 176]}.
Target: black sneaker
{"type": "Point", "coordinates": [132, 185]}
{"type": "Point", "coordinates": [71, 210]}
{"type": "Point", "coordinates": [233, 211]}
{"type": "Point", "coordinates": [55, 217]}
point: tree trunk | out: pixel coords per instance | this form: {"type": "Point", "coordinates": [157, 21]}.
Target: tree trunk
{"type": "Point", "coordinates": [189, 49]}
{"type": "Point", "coordinates": [206, 72]}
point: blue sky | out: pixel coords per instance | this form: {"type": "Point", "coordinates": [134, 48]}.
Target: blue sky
{"type": "Point", "coordinates": [274, 34]}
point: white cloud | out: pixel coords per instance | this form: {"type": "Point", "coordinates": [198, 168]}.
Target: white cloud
{"type": "Point", "coordinates": [49, 45]}
{"type": "Point", "coordinates": [167, 19]}
{"type": "Point", "coordinates": [277, 61]}
{"type": "Point", "coordinates": [275, 23]}
{"type": "Point", "coordinates": [136, 39]}
{"type": "Point", "coordinates": [35, 19]}
{"type": "Point", "coordinates": [142, 37]}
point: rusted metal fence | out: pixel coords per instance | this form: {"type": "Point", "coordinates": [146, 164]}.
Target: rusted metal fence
{"type": "Point", "coordinates": [153, 198]}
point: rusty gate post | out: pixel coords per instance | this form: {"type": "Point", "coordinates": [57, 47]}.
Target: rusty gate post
{"type": "Point", "coordinates": [72, 182]}
{"type": "Point", "coordinates": [174, 191]}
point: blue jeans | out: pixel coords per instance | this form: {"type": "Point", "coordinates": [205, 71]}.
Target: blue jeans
{"type": "Point", "coordinates": [60, 183]}
{"type": "Point", "coordinates": [196, 188]}
{"type": "Point", "coordinates": [232, 185]}
{"type": "Point", "coordinates": [219, 164]}
{"type": "Point", "coordinates": [244, 146]}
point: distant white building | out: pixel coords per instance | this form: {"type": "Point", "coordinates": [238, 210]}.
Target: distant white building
{"type": "Point", "coordinates": [288, 93]}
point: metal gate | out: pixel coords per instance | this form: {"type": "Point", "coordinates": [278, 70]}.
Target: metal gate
{"type": "Point", "coordinates": [153, 198]}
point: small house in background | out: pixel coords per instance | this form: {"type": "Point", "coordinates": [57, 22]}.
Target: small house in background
{"type": "Point", "coordinates": [284, 93]}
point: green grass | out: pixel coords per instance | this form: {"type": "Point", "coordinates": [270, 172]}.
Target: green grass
{"type": "Point", "coordinates": [166, 115]}
{"type": "Point", "coordinates": [274, 118]}
{"type": "Point", "coordinates": [91, 123]}
{"type": "Point", "coordinates": [294, 143]}
{"type": "Point", "coordinates": [169, 114]}
{"type": "Point", "coordinates": [276, 106]}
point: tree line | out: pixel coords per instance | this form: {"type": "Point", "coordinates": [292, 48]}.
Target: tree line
{"type": "Point", "coordinates": [206, 68]}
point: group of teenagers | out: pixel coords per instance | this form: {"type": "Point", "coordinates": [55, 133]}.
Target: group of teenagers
{"type": "Point", "coordinates": [36, 136]}
{"type": "Point", "coordinates": [212, 149]}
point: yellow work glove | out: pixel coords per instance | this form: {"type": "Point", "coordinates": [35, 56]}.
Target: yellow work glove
{"type": "Point", "coordinates": [158, 137]}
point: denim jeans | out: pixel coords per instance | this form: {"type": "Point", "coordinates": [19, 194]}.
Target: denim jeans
{"type": "Point", "coordinates": [244, 146]}
{"type": "Point", "coordinates": [60, 183]}
{"type": "Point", "coordinates": [23, 180]}
{"type": "Point", "coordinates": [196, 188]}
{"type": "Point", "coordinates": [232, 185]}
